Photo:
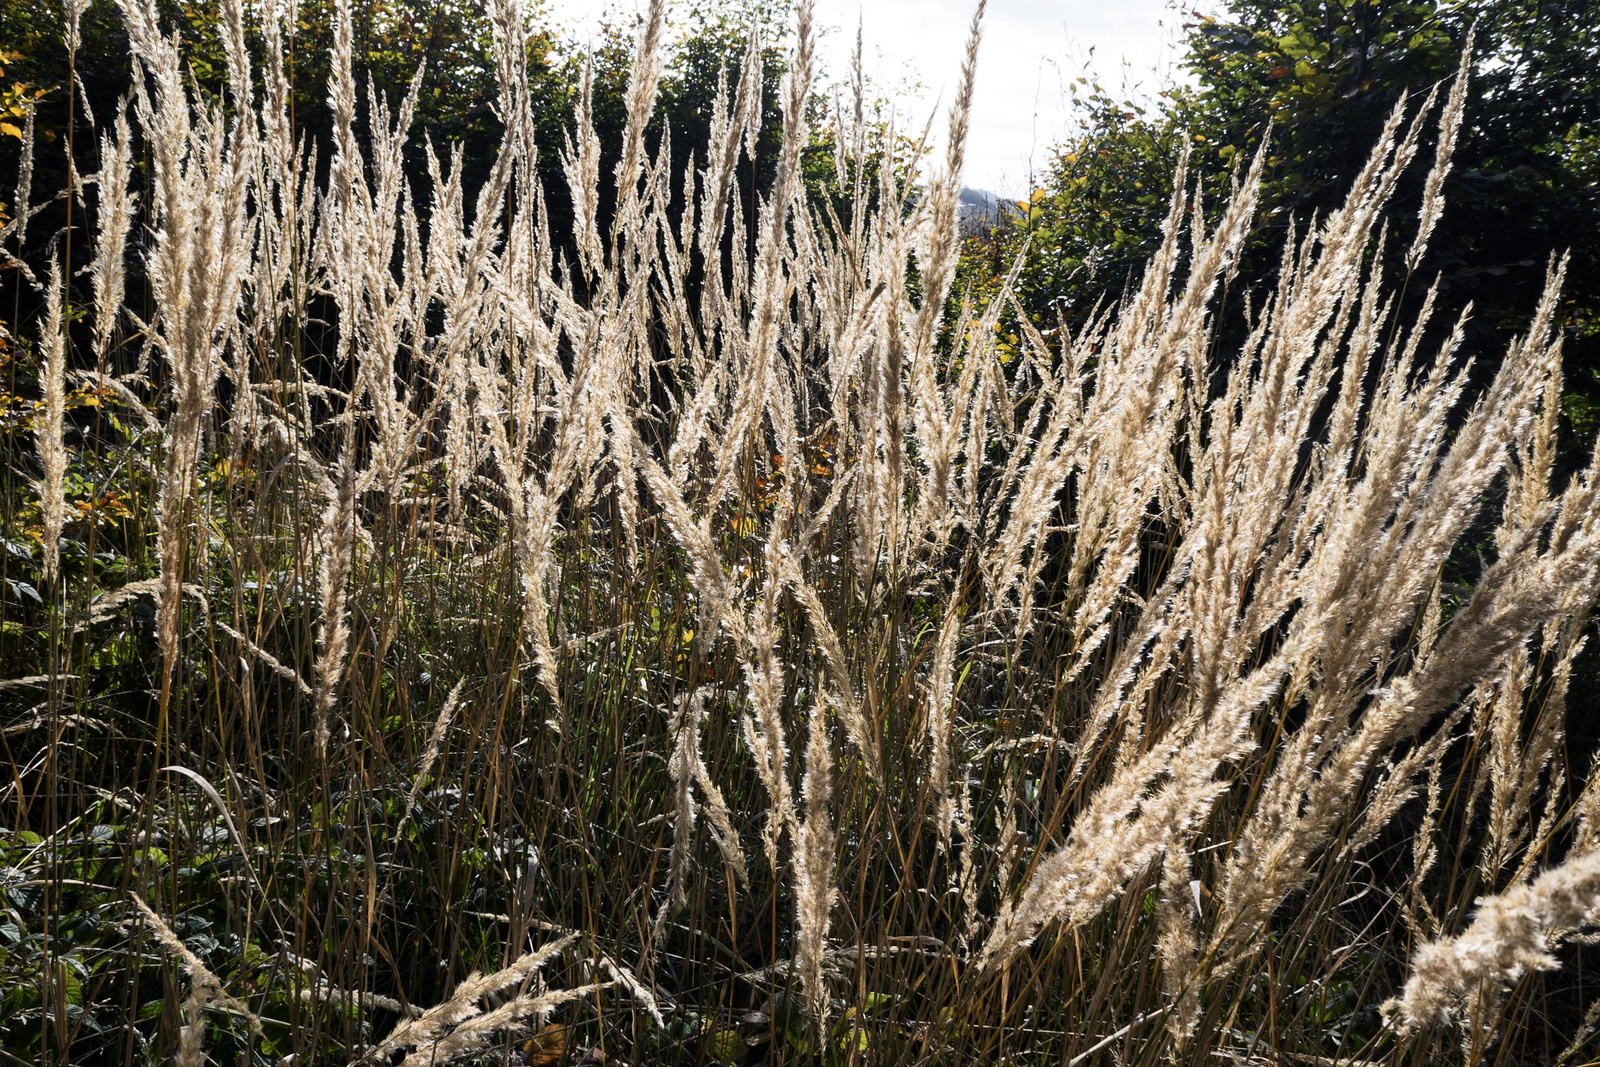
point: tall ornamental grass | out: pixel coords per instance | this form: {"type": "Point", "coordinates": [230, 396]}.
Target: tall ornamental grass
{"type": "Point", "coordinates": [698, 637]}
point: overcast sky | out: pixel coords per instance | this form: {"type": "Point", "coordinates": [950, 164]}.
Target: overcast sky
{"type": "Point", "coordinates": [1030, 49]}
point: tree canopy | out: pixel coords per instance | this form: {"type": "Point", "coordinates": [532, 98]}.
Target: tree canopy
{"type": "Point", "coordinates": [1319, 79]}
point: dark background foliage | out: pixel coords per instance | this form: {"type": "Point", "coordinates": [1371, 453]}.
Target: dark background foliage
{"type": "Point", "coordinates": [1525, 186]}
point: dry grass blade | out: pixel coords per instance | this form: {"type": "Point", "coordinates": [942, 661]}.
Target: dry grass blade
{"type": "Point", "coordinates": [814, 860]}
{"type": "Point", "coordinates": [940, 687]}
{"type": "Point", "coordinates": [50, 428]}
{"type": "Point", "coordinates": [1449, 128]}
{"type": "Point", "coordinates": [439, 1021]}
{"type": "Point", "coordinates": [1512, 933]}
{"type": "Point", "coordinates": [474, 1034]}
{"type": "Point", "coordinates": [208, 984]}
{"type": "Point", "coordinates": [431, 754]}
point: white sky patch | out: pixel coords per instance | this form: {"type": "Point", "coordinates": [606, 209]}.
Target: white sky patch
{"type": "Point", "coordinates": [1031, 49]}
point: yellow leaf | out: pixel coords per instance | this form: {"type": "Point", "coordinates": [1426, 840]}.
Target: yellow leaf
{"type": "Point", "coordinates": [8, 128]}
{"type": "Point", "coordinates": [724, 1045]}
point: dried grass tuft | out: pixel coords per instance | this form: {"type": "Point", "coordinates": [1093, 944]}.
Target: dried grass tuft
{"type": "Point", "coordinates": [1113, 663]}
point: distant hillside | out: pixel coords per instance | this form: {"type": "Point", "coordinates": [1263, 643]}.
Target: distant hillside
{"type": "Point", "coordinates": [979, 209]}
